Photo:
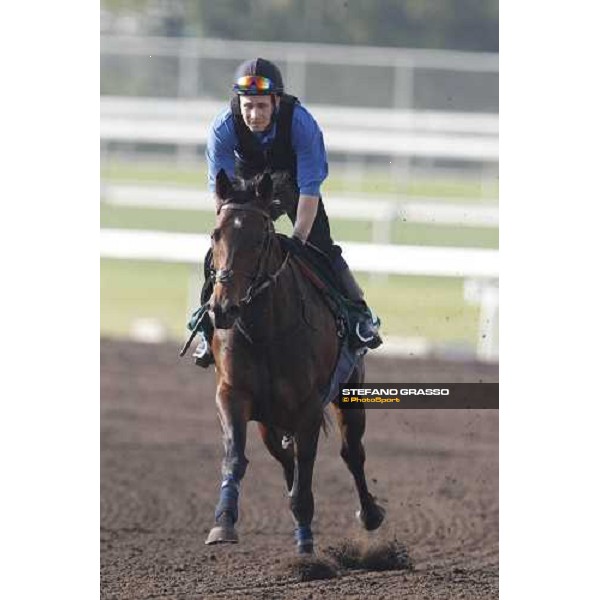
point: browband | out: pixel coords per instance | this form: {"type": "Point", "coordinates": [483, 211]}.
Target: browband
{"type": "Point", "coordinates": [247, 207]}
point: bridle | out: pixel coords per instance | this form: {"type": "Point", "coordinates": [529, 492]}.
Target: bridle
{"type": "Point", "coordinates": [260, 280]}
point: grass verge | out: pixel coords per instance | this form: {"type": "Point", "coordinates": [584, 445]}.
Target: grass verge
{"type": "Point", "coordinates": [427, 307]}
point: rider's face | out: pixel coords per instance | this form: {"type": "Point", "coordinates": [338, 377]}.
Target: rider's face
{"type": "Point", "coordinates": [257, 111]}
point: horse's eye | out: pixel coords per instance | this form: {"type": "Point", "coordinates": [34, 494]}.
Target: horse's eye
{"type": "Point", "coordinates": [215, 235]}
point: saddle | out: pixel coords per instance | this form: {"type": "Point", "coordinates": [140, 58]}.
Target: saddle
{"type": "Point", "coordinates": [316, 268]}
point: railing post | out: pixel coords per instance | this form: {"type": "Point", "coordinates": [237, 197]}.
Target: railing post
{"type": "Point", "coordinates": [404, 84]}
{"type": "Point", "coordinates": [187, 87]}
{"type": "Point", "coordinates": [487, 343]}
{"type": "Point", "coordinates": [187, 82]}
{"type": "Point", "coordinates": [296, 75]}
{"type": "Point", "coordinates": [485, 293]}
{"type": "Point", "coordinates": [383, 226]}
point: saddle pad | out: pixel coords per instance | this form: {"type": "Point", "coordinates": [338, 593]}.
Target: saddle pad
{"type": "Point", "coordinates": [347, 361]}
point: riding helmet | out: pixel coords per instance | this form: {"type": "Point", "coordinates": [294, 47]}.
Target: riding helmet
{"type": "Point", "coordinates": [258, 77]}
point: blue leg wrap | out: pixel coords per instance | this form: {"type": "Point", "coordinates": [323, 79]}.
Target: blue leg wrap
{"type": "Point", "coordinates": [303, 535]}
{"type": "Point", "coordinates": [228, 499]}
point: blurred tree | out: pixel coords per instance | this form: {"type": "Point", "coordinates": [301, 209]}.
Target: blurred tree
{"type": "Point", "coordinates": [448, 24]}
{"type": "Point", "coordinates": [125, 5]}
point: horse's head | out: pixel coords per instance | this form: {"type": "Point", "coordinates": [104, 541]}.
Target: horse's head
{"type": "Point", "coordinates": [240, 244]}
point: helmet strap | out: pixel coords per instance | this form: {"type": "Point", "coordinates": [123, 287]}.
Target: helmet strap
{"type": "Point", "coordinates": [274, 113]}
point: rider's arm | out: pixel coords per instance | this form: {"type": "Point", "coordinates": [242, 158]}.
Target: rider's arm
{"type": "Point", "coordinates": [311, 166]}
{"type": "Point", "coordinates": [305, 217]}
{"type": "Point", "coordinates": [220, 146]}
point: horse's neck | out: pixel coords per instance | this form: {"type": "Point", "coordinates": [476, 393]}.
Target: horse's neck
{"type": "Point", "coordinates": [286, 294]}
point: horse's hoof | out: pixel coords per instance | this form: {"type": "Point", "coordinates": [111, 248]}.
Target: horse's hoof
{"type": "Point", "coordinates": [305, 549]}
{"type": "Point", "coordinates": [371, 519]}
{"type": "Point", "coordinates": [222, 535]}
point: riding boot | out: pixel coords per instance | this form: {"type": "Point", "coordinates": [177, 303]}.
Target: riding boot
{"type": "Point", "coordinates": [353, 290]}
{"type": "Point", "coordinates": [203, 355]}
{"type": "Point", "coordinates": [367, 329]}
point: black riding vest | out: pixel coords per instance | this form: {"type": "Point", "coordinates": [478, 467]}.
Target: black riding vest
{"type": "Point", "coordinates": [251, 158]}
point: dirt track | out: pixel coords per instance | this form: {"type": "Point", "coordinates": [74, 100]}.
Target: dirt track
{"type": "Point", "coordinates": [436, 473]}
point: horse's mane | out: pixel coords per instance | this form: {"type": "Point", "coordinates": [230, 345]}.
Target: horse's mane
{"type": "Point", "coordinates": [285, 192]}
{"type": "Point", "coordinates": [285, 189]}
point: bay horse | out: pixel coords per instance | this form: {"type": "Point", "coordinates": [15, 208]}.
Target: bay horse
{"type": "Point", "coordinates": [275, 347]}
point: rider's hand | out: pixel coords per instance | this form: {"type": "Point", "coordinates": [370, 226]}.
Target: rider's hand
{"type": "Point", "coordinates": [298, 240]}
{"type": "Point", "coordinates": [297, 244]}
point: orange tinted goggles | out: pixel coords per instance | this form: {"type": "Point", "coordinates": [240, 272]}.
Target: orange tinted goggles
{"type": "Point", "coordinates": [253, 84]}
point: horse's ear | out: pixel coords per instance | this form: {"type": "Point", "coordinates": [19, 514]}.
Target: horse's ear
{"type": "Point", "coordinates": [264, 188]}
{"type": "Point", "coordinates": [224, 188]}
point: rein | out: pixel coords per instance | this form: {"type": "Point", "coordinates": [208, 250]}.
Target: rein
{"type": "Point", "coordinates": [298, 323]}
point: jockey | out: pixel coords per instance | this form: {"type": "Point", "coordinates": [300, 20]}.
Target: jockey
{"type": "Point", "coordinates": [267, 129]}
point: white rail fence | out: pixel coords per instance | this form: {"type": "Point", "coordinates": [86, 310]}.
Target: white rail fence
{"type": "Point", "coordinates": [479, 267]}
{"type": "Point", "coordinates": [383, 213]}
{"type": "Point", "coordinates": [202, 67]}
{"type": "Point", "coordinates": [347, 131]}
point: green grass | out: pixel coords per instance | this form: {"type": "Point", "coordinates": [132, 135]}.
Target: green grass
{"type": "Point", "coordinates": [384, 185]}
{"type": "Point", "coordinates": [153, 173]}
{"type": "Point", "coordinates": [374, 183]}
{"type": "Point", "coordinates": [191, 221]}
{"type": "Point", "coordinates": [157, 219]}
{"type": "Point", "coordinates": [132, 290]}
{"type": "Point", "coordinates": [427, 307]}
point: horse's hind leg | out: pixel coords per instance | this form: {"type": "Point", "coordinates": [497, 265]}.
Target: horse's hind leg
{"type": "Point", "coordinates": [352, 428]}
{"type": "Point", "coordinates": [272, 438]}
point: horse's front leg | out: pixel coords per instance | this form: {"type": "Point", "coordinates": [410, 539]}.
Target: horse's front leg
{"type": "Point", "coordinates": [234, 411]}
{"type": "Point", "coordinates": [301, 496]}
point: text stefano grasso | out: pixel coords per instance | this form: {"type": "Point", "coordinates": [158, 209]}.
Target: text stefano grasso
{"type": "Point", "coordinates": [396, 391]}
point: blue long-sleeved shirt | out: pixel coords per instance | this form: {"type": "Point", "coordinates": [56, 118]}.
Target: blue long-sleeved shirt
{"type": "Point", "coordinates": [307, 142]}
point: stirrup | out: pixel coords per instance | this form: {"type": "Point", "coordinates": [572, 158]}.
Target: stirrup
{"type": "Point", "coordinates": [372, 322]}
{"type": "Point", "coordinates": [370, 330]}
{"type": "Point", "coordinates": [364, 338]}
{"type": "Point", "coordinates": [202, 354]}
